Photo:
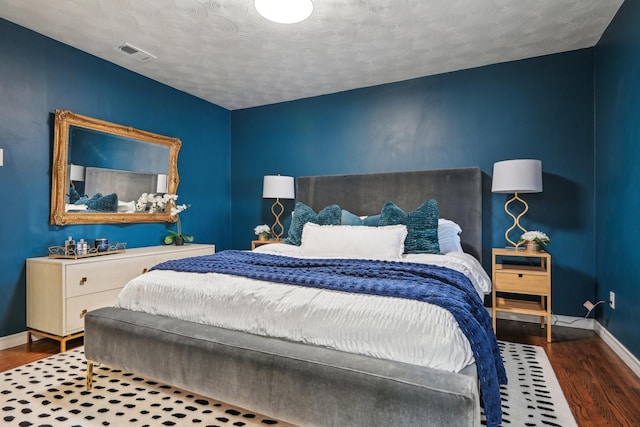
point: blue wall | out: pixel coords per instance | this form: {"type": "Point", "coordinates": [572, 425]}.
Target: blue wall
{"type": "Point", "coordinates": [539, 108]}
{"type": "Point", "coordinates": [39, 75]}
{"type": "Point", "coordinates": [617, 170]}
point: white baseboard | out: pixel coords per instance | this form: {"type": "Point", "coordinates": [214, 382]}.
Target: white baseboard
{"type": "Point", "coordinates": [627, 357]}
{"type": "Point", "coordinates": [13, 340]}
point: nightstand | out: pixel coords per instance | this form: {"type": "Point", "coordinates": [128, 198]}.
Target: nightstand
{"type": "Point", "coordinates": [527, 273]}
{"type": "Point", "coordinates": [256, 243]}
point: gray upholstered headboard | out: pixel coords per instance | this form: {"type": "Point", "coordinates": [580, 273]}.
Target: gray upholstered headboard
{"type": "Point", "coordinates": [458, 192]}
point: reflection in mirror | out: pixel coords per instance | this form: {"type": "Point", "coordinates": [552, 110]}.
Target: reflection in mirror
{"type": "Point", "coordinates": [101, 170]}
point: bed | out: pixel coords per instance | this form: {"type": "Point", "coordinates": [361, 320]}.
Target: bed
{"type": "Point", "coordinates": [303, 381]}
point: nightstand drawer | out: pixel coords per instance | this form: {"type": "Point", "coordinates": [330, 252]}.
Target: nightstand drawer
{"type": "Point", "coordinates": [524, 282]}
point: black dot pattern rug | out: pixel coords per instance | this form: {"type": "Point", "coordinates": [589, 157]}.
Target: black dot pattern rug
{"type": "Point", "coordinates": [51, 392]}
{"type": "Point", "coordinates": [533, 397]}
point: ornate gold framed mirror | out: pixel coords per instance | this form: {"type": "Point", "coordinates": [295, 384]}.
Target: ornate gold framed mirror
{"type": "Point", "coordinates": [101, 171]}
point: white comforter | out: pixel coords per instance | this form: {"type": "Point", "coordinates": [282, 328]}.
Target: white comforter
{"type": "Point", "coordinates": [388, 328]}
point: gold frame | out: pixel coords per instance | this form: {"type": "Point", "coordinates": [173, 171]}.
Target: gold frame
{"type": "Point", "coordinates": [58, 215]}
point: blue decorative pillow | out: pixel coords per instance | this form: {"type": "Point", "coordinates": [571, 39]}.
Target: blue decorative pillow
{"type": "Point", "coordinates": [347, 218]}
{"type": "Point", "coordinates": [108, 203]}
{"type": "Point", "coordinates": [422, 226]}
{"type": "Point", "coordinates": [371, 220]}
{"type": "Point", "coordinates": [302, 214]}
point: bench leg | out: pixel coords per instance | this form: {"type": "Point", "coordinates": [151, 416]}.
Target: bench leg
{"type": "Point", "coordinates": [89, 375]}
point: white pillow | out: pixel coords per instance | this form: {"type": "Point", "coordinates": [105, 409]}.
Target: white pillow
{"type": "Point", "coordinates": [449, 236]}
{"type": "Point", "coordinates": [352, 241]}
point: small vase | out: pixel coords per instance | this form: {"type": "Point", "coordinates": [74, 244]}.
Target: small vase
{"type": "Point", "coordinates": [262, 237]}
{"type": "Point", "coordinates": [178, 240]}
{"type": "Point", "coordinates": [533, 246]}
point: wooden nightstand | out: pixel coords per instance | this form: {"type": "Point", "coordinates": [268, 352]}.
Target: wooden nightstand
{"type": "Point", "coordinates": [520, 278]}
{"type": "Point", "coordinates": [256, 243]}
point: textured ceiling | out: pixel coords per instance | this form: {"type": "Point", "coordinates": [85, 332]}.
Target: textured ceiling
{"type": "Point", "coordinates": [224, 52]}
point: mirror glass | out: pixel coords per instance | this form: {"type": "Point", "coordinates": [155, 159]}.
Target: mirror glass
{"type": "Point", "coordinates": [101, 171]}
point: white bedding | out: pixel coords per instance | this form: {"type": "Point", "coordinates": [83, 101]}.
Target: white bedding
{"type": "Point", "coordinates": [388, 328]}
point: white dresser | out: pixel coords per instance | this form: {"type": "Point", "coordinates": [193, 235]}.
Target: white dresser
{"type": "Point", "coordinates": [61, 291]}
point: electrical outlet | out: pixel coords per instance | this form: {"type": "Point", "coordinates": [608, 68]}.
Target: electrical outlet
{"type": "Point", "coordinates": [612, 300]}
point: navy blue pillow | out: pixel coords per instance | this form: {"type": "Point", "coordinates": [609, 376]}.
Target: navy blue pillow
{"type": "Point", "coordinates": [302, 214]}
{"type": "Point", "coordinates": [422, 226]}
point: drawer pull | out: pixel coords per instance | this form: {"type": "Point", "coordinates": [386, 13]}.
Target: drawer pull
{"type": "Point", "coordinates": [83, 281]}
{"type": "Point", "coordinates": [83, 313]}
{"type": "Point", "coordinates": [520, 274]}
{"type": "Point", "coordinates": [144, 270]}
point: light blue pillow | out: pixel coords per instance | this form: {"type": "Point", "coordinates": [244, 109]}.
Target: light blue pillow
{"type": "Point", "coordinates": [422, 226]}
{"type": "Point", "coordinates": [449, 236]}
{"type": "Point", "coordinates": [303, 214]}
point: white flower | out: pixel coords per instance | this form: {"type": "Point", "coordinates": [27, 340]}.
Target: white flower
{"type": "Point", "coordinates": [159, 203]}
{"type": "Point", "coordinates": [535, 236]}
{"type": "Point", "coordinates": [262, 229]}
{"type": "Point", "coordinates": [175, 210]}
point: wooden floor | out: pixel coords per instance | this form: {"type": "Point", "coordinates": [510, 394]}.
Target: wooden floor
{"type": "Point", "coordinates": [600, 388]}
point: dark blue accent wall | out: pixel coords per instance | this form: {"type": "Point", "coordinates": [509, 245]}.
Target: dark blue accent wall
{"type": "Point", "coordinates": [539, 108]}
{"type": "Point", "coordinates": [617, 171]}
{"type": "Point", "coordinates": [39, 75]}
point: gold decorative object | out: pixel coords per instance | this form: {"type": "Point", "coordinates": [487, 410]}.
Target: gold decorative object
{"type": "Point", "coordinates": [59, 252]}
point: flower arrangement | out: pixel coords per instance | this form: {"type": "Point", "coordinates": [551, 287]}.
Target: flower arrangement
{"type": "Point", "coordinates": [262, 231]}
{"type": "Point", "coordinates": [154, 203]}
{"type": "Point", "coordinates": [535, 236]}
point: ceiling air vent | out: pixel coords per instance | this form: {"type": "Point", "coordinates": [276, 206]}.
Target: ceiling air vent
{"type": "Point", "coordinates": [135, 52]}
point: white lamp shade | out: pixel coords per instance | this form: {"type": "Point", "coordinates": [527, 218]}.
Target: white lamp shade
{"type": "Point", "coordinates": [76, 172]}
{"type": "Point", "coordinates": [278, 187]}
{"type": "Point", "coordinates": [284, 11]}
{"type": "Point", "coordinates": [161, 186]}
{"type": "Point", "coordinates": [517, 176]}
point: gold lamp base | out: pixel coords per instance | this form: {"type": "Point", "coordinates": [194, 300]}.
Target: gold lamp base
{"type": "Point", "coordinates": [277, 223]}
{"type": "Point", "coordinates": [516, 221]}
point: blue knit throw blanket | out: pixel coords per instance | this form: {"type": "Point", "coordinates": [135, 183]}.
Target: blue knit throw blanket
{"type": "Point", "coordinates": [441, 286]}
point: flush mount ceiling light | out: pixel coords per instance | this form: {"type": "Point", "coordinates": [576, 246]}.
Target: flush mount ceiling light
{"type": "Point", "coordinates": [284, 11]}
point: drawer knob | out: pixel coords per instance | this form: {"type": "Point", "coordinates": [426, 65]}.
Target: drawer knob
{"type": "Point", "coordinates": [520, 274]}
{"type": "Point", "coordinates": [83, 281]}
{"type": "Point", "coordinates": [83, 313]}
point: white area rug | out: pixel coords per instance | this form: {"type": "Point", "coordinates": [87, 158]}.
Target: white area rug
{"type": "Point", "coordinates": [533, 397]}
{"type": "Point", "coordinates": [51, 392]}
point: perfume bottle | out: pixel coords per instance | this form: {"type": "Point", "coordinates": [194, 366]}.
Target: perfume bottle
{"type": "Point", "coordinates": [70, 246]}
{"type": "Point", "coordinates": [82, 247]}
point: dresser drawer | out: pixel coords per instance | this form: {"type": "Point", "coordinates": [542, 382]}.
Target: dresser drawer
{"type": "Point", "coordinates": [523, 282]}
{"type": "Point", "coordinates": [77, 307]}
{"type": "Point", "coordinates": [89, 278]}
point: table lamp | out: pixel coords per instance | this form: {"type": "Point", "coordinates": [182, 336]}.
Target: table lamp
{"type": "Point", "coordinates": [278, 187]}
{"type": "Point", "coordinates": [517, 176]}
